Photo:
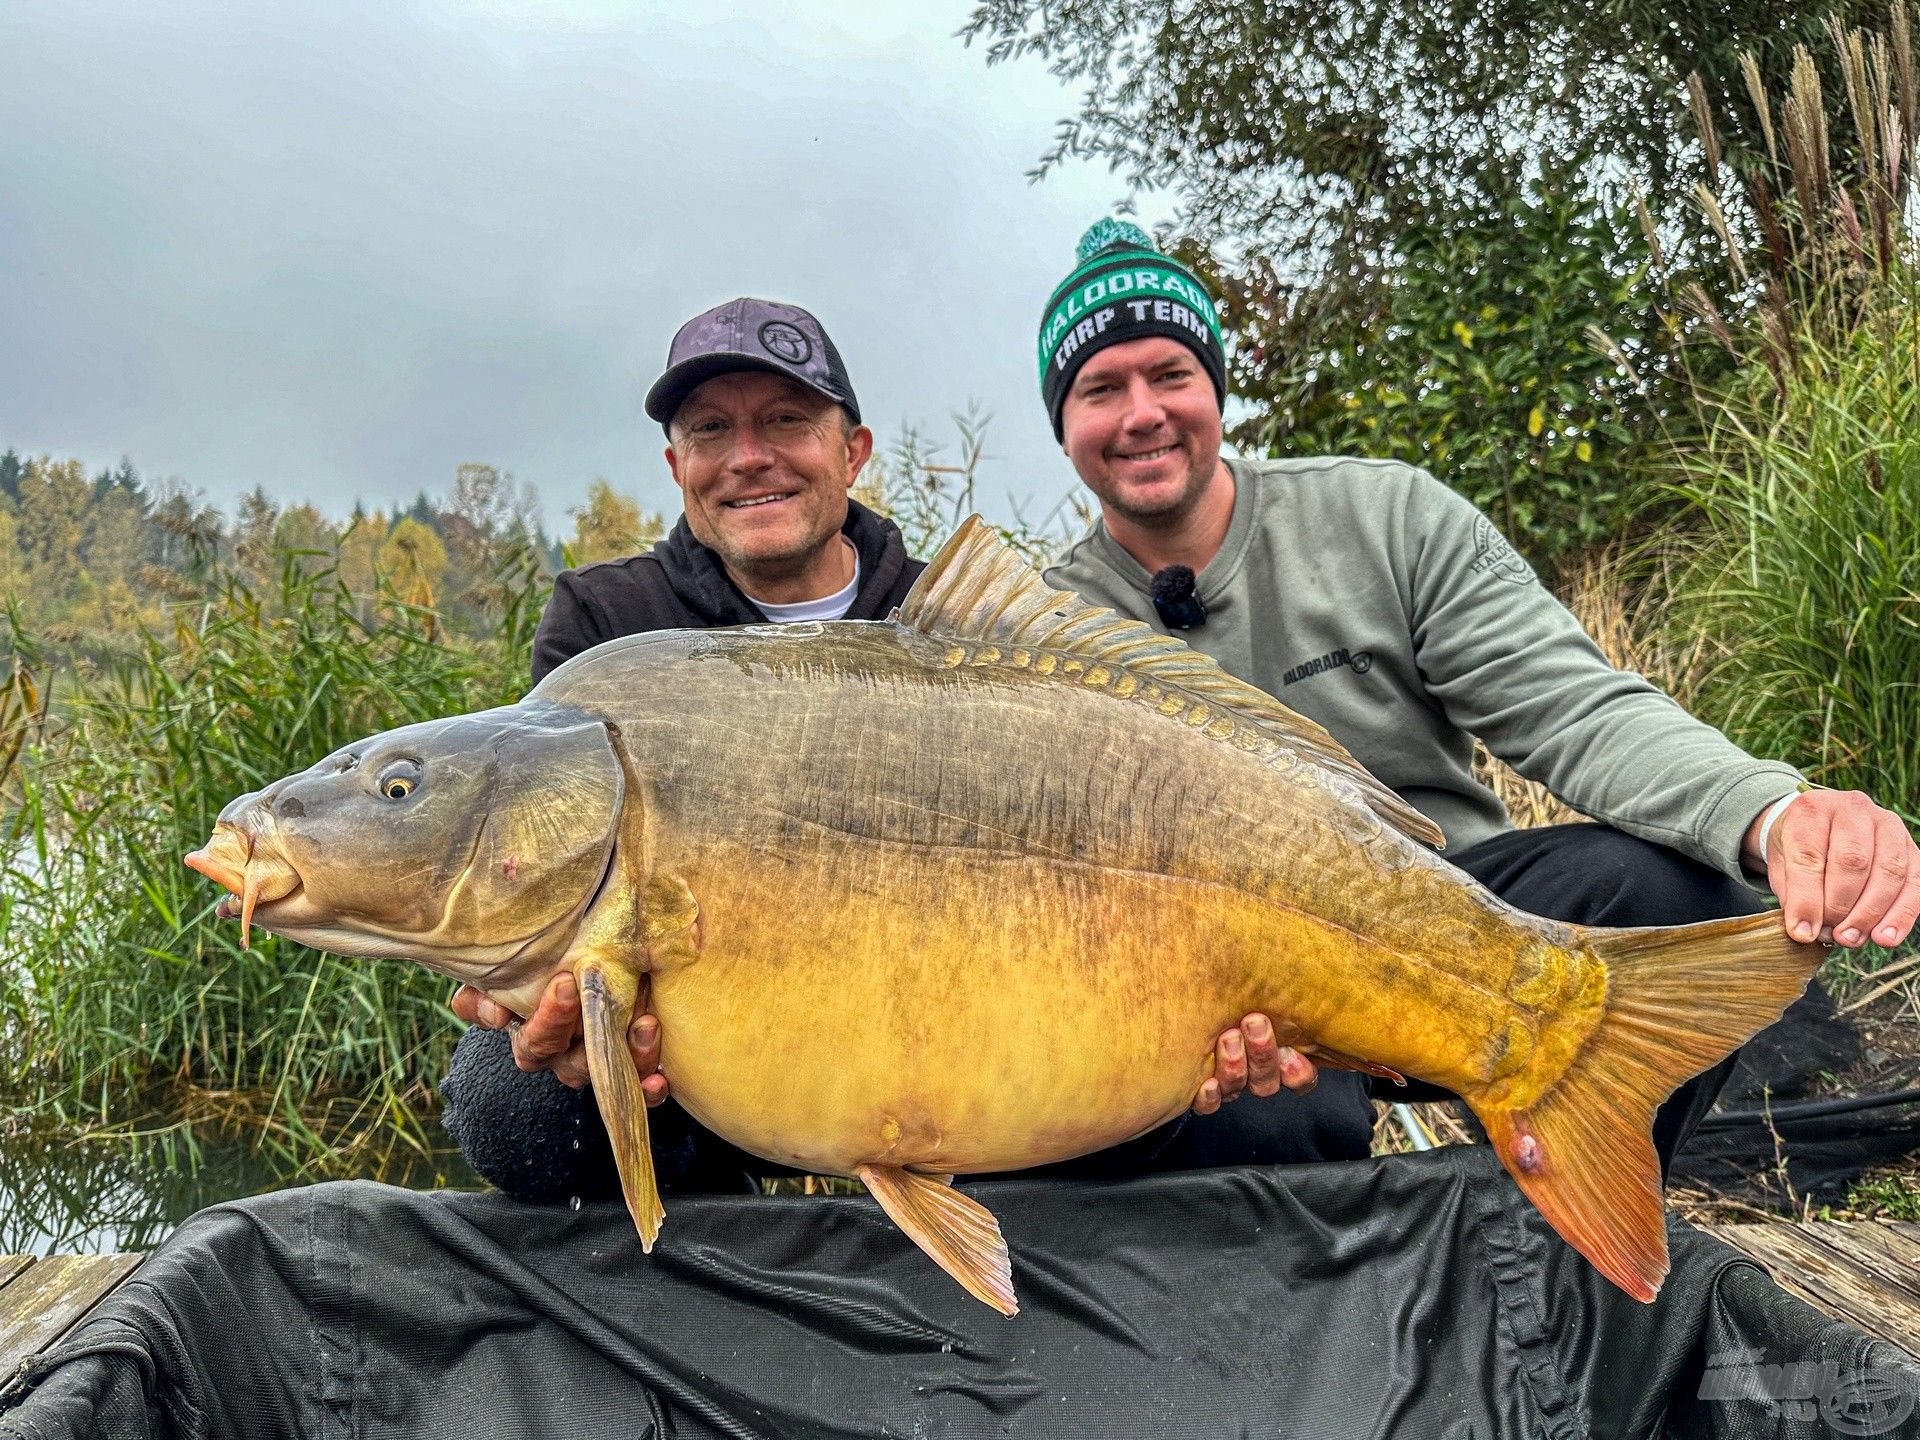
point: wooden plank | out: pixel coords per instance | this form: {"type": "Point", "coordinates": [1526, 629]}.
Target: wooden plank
{"type": "Point", "coordinates": [1829, 1283]}
{"type": "Point", "coordinates": [44, 1303]}
{"type": "Point", "coordinates": [12, 1265]}
{"type": "Point", "coordinates": [1874, 1249]}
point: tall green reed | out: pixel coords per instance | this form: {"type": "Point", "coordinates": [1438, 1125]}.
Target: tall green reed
{"type": "Point", "coordinates": [116, 977]}
{"type": "Point", "coordinates": [1805, 576]}
{"type": "Point", "coordinates": [1798, 560]}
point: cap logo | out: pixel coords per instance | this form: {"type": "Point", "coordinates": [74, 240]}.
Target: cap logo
{"type": "Point", "coordinates": [786, 342]}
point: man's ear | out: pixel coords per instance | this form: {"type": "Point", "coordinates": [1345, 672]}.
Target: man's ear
{"type": "Point", "coordinates": [673, 467]}
{"type": "Point", "coordinates": [859, 451]}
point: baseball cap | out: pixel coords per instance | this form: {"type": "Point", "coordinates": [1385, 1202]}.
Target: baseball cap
{"type": "Point", "coordinates": [749, 334]}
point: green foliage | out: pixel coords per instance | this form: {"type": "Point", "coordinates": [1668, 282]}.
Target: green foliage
{"type": "Point", "coordinates": [1479, 364]}
{"type": "Point", "coordinates": [1893, 1195]}
{"type": "Point", "coordinates": [1347, 173]}
{"type": "Point", "coordinates": [1806, 573]}
{"type": "Point", "coordinates": [117, 977]}
{"type": "Point", "coordinates": [1316, 130]}
{"type": "Point", "coordinates": [1801, 569]}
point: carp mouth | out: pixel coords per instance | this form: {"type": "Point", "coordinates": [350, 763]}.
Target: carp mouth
{"type": "Point", "coordinates": [253, 874]}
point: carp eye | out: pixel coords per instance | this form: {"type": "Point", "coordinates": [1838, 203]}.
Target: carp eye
{"type": "Point", "coordinates": [399, 781]}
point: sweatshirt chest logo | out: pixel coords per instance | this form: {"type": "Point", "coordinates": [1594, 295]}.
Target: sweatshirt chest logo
{"type": "Point", "coordinates": [1359, 661]}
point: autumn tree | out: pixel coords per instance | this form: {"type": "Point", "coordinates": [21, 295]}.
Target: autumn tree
{"type": "Point", "coordinates": [413, 560]}
{"type": "Point", "coordinates": [611, 525]}
{"type": "Point", "coordinates": [53, 502]}
{"type": "Point", "coordinates": [360, 552]}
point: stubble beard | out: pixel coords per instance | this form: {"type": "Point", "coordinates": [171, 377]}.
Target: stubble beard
{"type": "Point", "coordinates": [1168, 512]}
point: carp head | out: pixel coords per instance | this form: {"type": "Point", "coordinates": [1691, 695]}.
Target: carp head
{"type": "Point", "coordinates": [463, 844]}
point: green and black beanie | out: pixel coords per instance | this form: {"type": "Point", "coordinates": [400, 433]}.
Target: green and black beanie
{"type": "Point", "coordinates": [1124, 289]}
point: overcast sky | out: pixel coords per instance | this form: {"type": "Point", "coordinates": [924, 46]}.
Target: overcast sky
{"type": "Point", "coordinates": [336, 249]}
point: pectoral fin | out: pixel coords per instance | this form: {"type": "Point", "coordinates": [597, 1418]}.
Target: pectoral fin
{"type": "Point", "coordinates": [607, 993]}
{"type": "Point", "coordinates": [1337, 1060]}
{"type": "Point", "coordinates": [959, 1233]}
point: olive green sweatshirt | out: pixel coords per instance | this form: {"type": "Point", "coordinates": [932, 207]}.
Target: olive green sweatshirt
{"type": "Point", "coordinates": [1368, 596]}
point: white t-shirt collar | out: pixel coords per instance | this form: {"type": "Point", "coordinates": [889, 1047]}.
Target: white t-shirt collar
{"type": "Point", "coordinates": [827, 607]}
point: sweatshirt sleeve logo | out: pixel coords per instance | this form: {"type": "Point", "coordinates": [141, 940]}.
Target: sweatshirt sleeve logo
{"type": "Point", "coordinates": [1492, 555]}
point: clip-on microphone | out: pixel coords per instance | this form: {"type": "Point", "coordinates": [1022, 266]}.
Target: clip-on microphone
{"type": "Point", "coordinates": [1179, 608]}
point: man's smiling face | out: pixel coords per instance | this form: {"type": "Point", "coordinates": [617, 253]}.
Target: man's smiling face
{"type": "Point", "coordinates": [1142, 427]}
{"type": "Point", "coordinates": [764, 466]}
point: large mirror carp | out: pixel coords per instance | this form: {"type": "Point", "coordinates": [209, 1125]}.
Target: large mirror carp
{"type": "Point", "coordinates": [975, 888]}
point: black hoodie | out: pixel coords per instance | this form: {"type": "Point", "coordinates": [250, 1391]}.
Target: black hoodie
{"type": "Point", "coordinates": [529, 1135]}
{"type": "Point", "coordinates": [681, 585]}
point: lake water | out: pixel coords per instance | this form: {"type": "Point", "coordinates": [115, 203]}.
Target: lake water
{"type": "Point", "coordinates": [61, 1195]}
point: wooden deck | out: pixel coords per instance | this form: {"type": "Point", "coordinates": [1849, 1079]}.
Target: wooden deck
{"type": "Point", "coordinates": [1867, 1274]}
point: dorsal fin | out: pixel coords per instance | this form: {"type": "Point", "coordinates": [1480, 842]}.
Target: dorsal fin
{"type": "Point", "coordinates": [977, 588]}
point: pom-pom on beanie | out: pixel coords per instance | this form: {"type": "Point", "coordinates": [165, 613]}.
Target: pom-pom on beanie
{"type": "Point", "coordinates": [1123, 289]}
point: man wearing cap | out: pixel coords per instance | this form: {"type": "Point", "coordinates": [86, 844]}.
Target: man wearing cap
{"type": "Point", "coordinates": [765, 442]}
{"type": "Point", "coordinates": [1372, 599]}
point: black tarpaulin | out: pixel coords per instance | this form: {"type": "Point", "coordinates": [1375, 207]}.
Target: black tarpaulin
{"type": "Point", "coordinates": [1403, 1296]}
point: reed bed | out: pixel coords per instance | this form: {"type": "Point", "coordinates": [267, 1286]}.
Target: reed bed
{"type": "Point", "coordinates": [117, 980]}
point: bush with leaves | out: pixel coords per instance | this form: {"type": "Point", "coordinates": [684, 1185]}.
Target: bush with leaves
{"type": "Point", "coordinates": [1479, 364]}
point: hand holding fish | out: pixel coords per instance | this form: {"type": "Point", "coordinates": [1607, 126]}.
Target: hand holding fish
{"type": "Point", "coordinates": [1246, 1058]}
{"type": "Point", "coordinates": [551, 1038]}
{"type": "Point", "coordinates": [1841, 866]}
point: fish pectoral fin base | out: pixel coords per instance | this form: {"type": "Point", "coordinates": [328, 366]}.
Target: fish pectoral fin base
{"type": "Point", "coordinates": [1679, 1000]}
{"type": "Point", "coordinates": [957, 1231]}
{"type": "Point", "coordinates": [607, 994]}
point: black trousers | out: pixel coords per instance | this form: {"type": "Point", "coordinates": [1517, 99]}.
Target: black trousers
{"type": "Point", "coordinates": [1584, 874]}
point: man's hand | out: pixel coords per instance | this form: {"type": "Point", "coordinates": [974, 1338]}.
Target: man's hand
{"type": "Point", "coordinates": [1246, 1058]}
{"type": "Point", "coordinates": [550, 1038]}
{"type": "Point", "coordinates": [1842, 867]}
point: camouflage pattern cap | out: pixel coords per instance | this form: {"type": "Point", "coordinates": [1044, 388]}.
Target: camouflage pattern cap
{"type": "Point", "coordinates": [749, 334]}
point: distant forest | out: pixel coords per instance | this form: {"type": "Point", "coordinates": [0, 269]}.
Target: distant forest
{"type": "Point", "coordinates": [87, 561]}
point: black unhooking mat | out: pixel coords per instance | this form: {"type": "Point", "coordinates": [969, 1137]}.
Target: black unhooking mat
{"type": "Point", "coordinates": [1404, 1296]}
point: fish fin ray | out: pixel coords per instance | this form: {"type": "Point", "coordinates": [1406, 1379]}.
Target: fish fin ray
{"type": "Point", "coordinates": [977, 588]}
{"type": "Point", "coordinates": [957, 1232]}
{"type": "Point", "coordinates": [607, 994]}
{"type": "Point", "coordinates": [1340, 1060]}
{"type": "Point", "coordinates": [1582, 1151]}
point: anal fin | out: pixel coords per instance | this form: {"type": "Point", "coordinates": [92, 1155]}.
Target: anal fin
{"type": "Point", "coordinates": [957, 1231]}
{"type": "Point", "coordinates": [608, 990]}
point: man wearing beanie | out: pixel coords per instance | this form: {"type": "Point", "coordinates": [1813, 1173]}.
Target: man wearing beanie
{"type": "Point", "coordinates": [1371, 598]}
{"type": "Point", "coordinates": [765, 442]}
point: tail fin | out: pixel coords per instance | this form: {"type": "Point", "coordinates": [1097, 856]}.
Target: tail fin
{"type": "Point", "coordinates": [1678, 1001]}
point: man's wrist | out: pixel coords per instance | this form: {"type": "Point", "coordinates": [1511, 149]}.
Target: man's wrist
{"type": "Point", "coordinates": [1754, 851]}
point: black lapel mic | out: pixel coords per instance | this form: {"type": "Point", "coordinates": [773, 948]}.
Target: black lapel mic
{"type": "Point", "coordinates": [1179, 608]}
